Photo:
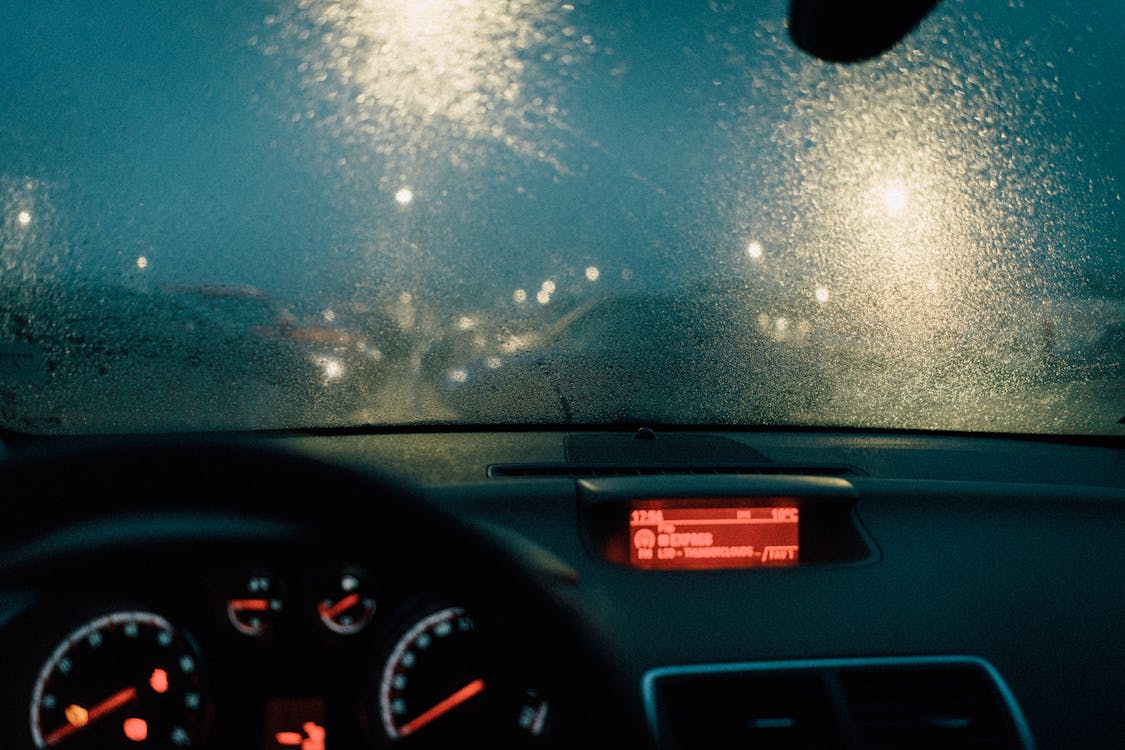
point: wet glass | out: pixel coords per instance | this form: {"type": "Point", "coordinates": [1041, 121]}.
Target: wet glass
{"type": "Point", "coordinates": [304, 213]}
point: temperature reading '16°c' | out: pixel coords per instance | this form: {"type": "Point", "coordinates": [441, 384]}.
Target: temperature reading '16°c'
{"type": "Point", "coordinates": [698, 535]}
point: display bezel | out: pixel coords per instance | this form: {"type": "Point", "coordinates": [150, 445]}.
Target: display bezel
{"type": "Point", "coordinates": [830, 532]}
{"type": "Point", "coordinates": [767, 536]}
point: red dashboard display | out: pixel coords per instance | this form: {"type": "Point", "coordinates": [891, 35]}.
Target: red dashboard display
{"type": "Point", "coordinates": [708, 534]}
{"type": "Point", "coordinates": [296, 723]}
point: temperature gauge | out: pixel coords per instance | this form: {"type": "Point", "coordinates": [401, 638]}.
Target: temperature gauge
{"type": "Point", "coordinates": [257, 607]}
{"type": "Point", "coordinates": [348, 605]}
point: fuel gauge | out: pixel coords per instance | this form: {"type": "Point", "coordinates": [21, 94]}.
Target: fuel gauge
{"type": "Point", "coordinates": [347, 605]}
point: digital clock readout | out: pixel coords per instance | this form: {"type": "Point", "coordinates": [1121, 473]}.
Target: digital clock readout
{"type": "Point", "coordinates": [697, 535]}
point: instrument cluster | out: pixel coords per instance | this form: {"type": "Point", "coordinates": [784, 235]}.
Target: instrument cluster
{"type": "Point", "coordinates": [329, 655]}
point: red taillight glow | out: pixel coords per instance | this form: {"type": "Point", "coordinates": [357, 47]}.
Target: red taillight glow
{"type": "Point", "coordinates": [708, 534]}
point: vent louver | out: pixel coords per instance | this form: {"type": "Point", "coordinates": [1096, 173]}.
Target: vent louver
{"type": "Point", "coordinates": [857, 704]}
{"type": "Point", "coordinates": [769, 711]}
{"type": "Point", "coordinates": [928, 708]}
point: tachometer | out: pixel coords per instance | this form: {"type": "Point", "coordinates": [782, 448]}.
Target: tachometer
{"type": "Point", "coordinates": [444, 682]}
{"type": "Point", "coordinates": [119, 681]}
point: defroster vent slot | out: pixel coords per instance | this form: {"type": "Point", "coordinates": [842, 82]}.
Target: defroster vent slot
{"type": "Point", "coordinates": [593, 471]}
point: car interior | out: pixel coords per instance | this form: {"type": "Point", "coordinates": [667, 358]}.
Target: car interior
{"type": "Point", "coordinates": [626, 582]}
{"type": "Point", "coordinates": [949, 591]}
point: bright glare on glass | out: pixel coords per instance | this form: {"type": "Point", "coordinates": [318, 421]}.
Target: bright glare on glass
{"type": "Point", "coordinates": [332, 368]}
{"type": "Point", "coordinates": [354, 199]}
{"type": "Point", "coordinates": [894, 199]}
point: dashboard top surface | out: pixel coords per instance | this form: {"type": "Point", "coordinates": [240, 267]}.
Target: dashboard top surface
{"type": "Point", "coordinates": [1002, 550]}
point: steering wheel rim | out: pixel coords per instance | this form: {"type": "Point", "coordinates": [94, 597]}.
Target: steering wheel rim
{"type": "Point", "coordinates": [191, 493]}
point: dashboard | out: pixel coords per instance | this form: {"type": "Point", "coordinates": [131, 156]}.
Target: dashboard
{"type": "Point", "coordinates": [545, 589]}
{"type": "Point", "coordinates": [267, 650]}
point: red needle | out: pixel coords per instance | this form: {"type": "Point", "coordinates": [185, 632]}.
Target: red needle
{"type": "Point", "coordinates": [109, 704]}
{"type": "Point", "coordinates": [239, 605]}
{"type": "Point", "coordinates": [347, 602]}
{"type": "Point", "coordinates": [442, 708]}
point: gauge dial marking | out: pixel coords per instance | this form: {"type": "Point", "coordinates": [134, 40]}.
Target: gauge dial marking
{"type": "Point", "coordinates": [442, 707]}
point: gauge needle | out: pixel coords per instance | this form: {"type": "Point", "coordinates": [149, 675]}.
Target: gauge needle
{"type": "Point", "coordinates": [80, 717]}
{"type": "Point", "coordinates": [344, 604]}
{"type": "Point", "coordinates": [442, 708]}
{"type": "Point", "coordinates": [258, 605]}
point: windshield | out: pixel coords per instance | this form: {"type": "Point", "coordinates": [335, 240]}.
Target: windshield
{"type": "Point", "coordinates": [319, 213]}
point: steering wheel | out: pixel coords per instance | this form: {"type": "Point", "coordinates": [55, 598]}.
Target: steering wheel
{"type": "Point", "coordinates": [118, 520]}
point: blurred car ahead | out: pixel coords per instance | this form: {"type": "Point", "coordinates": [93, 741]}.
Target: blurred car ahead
{"type": "Point", "coordinates": [591, 366]}
{"type": "Point", "coordinates": [95, 362]}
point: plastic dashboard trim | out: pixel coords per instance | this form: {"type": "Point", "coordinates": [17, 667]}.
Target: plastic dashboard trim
{"type": "Point", "coordinates": [648, 681]}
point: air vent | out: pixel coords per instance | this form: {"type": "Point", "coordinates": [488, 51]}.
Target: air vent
{"type": "Point", "coordinates": [771, 711]}
{"type": "Point", "coordinates": [592, 471]}
{"type": "Point", "coordinates": [939, 706]}
{"type": "Point", "coordinates": [927, 703]}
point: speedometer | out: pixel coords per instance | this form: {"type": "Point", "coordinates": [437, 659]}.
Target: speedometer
{"type": "Point", "coordinates": [125, 679]}
{"type": "Point", "coordinates": [444, 681]}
